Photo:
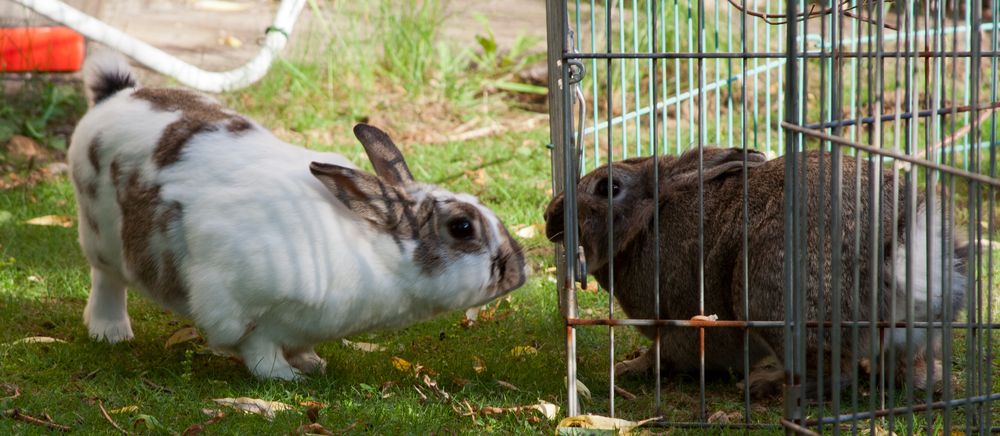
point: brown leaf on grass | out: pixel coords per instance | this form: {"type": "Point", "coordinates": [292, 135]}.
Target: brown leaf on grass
{"type": "Point", "coordinates": [312, 428]}
{"type": "Point", "coordinates": [547, 409]}
{"type": "Point", "coordinates": [311, 403]}
{"type": "Point", "coordinates": [195, 429]}
{"type": "Point", "coordinates": [254, 405]}
{"type": "Point", "coordinates": [52, 220]}
{"type": "Point", "coordinates": [185, 334]}
{"type": "Point", "coordinates": [430, 383]}
{"type": "Point", "coordinates": [362, 346]}
{"type": "Point", "coordinates": [723, 417]}
{"type": "Point", "coordinates": [478, 177]}
{"type": "Point", "coordinates": [478, 365]}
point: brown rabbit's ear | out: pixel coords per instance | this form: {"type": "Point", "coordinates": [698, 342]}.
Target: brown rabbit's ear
{"type": "Point", "coordinates": [372, 198]}
{"type": "Point", "coordinates": [384, 155]}
{"type": "Point", "coordinates": [717, 162]}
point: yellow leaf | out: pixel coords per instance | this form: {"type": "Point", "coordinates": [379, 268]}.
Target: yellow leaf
{"type": "Point", "coordinates": [523, 350]}
{"type": "Point", "coordinates": [478, 365]}
{"type": "Point", "coordinates": [598, 422]}
{"type": "Point", "coordinates": [126, 409]}
{"type": "Point", "coordinates": [232, 41]}
{"type": "Point", "coordinates": [37, 340]}
{"type": "Point", "coordinates": [183, 335]}
{"type": "Point", "coordinates": [401, 364]}
{"type": "Point", "coordinates": [363, 346]}
{"type": "Point", "coordinates": [253, 405]}
{"type": "Point", "coordinates": [51, 220]}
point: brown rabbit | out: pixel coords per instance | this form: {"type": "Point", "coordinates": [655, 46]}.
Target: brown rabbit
{"type": "Point", "coordinates": [634, 254]}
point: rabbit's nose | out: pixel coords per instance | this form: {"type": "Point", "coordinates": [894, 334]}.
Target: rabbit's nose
{"type": "Point", "coordinates": [554, 220]}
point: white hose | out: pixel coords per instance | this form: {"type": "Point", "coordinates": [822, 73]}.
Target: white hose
{"type": "Point", "coordinates": [274, 41]}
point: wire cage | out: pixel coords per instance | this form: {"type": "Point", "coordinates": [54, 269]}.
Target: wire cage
{"type": "Point", "coordinates": [824, 262]}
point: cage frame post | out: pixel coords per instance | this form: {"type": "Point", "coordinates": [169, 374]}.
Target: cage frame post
{"type": "Point", "coordinates": [564, 176]}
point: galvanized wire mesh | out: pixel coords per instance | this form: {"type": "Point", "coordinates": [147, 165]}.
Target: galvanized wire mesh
{"type": "Point", "coordinates": [900, 97]}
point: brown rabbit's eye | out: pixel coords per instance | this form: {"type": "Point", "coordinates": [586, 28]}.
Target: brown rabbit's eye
{"type": "Point", "coordinates": [601, 188]}
{"type": "Point", "coordinates": [461, 228]}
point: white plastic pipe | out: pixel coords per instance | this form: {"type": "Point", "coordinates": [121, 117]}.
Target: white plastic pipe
{"type": "Point", "coordinates": [158, 60]}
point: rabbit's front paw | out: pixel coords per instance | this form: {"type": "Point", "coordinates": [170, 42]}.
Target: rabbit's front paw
{"type": "Point", "coordinates": [110, 330]}
{"type": "Point", "coordinates": [637, 366]}
{"type": "Point", "coordinates": [307, 361]}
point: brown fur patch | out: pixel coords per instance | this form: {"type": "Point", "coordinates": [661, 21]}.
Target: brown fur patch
{"type": "Point", "coordinates": [197, 115]}
{"type": "Point", "coordinates": [93, 154]}
{"type": "Point", "coordinates": [143, 216]}
{"type": "Point", "coordinates": [238, 125]}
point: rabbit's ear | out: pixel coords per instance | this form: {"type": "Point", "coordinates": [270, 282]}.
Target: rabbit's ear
{"type": "Point", "coordinates": [384, 155]}
{"type": "Point", "coordinates": [372, 198]}
{"type": "Point", "coordinates": [717, 162]}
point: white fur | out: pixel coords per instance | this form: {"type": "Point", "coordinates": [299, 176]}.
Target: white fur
{"type": "Point", "coordinates": [923, 289]}
{"type": "Point", "coordinates": [272, 261]}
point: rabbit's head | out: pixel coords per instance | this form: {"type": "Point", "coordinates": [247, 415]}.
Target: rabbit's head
{"type": "Point", "coordinates": [461, 252]}
{"type": "Point", "coordinates": [629, 188]}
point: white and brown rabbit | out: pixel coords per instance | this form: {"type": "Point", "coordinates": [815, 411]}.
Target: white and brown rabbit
{"type": "Point", "coordinates": [631, 192]}
{"type": "Point", "coordinates": [270, 248]}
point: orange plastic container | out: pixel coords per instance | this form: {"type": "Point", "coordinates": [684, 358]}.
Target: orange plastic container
{"type": "Point", "coordinates": [56, 48]}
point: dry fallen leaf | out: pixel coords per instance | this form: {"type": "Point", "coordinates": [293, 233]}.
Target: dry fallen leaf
{"type": "Point", "coordinates": [507, 385]}
{"type": "Point", "coordinates": [523, 350]}
{"type": "Point", "coordinates": [723, 417]}
{"type": "Point", "coordinates": [52, 220]}
{"type": "Point", "coordinates": [598, 422]}
{"type": "Point", "coordinates": [478, 177]}
{"type": "Point", "coordinates": [183, 335]}
{"type": "Point", "coordinates": [546, 408]}
{"type": "Point", "coordinates": [313, 428]}
{"type": "Point", "coordinates": [253, 405]}
{"type": "Point", "coordinates": [363, 346]}
{"type": "Point", "coordinates": [582, 390]}
{"type": "Point", "coordinates": [478, 365]}
{"type": "Point", "coordinates": [37, 340]}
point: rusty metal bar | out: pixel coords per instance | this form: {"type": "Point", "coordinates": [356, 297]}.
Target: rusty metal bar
{"type": "Point", "coordinates": [986, 180]}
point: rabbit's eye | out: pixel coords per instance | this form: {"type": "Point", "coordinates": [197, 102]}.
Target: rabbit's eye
{"type": "Point", "coordinates": [601, 188]}
{"type": "Point", "coordinates": [461, 228]}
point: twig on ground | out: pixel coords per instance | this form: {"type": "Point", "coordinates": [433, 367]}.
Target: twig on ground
{"type": "Point", "coordinates": [149, 383]}
{"type": "Point", "coordinates": [13, 389]}
{"type": "Point", "coordinates": [108, 417]}
{"type": "Point", "coordinates": [625, 394]}
{"type": "Point", "coordinates": [17, 415]}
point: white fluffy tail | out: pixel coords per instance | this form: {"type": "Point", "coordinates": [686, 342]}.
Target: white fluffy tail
{"type": "Point", "coordinates": [105, 73]}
